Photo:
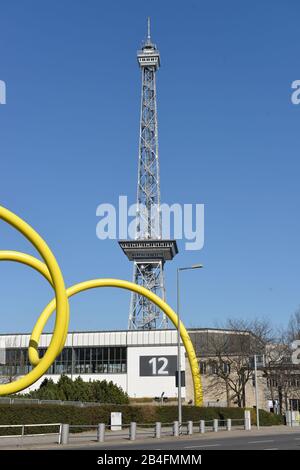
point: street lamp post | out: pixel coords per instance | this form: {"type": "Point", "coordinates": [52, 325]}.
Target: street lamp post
{"type": "Point", "coordinates": [195, 266]}
{"type": "Point", "coordinates": [256, 391]}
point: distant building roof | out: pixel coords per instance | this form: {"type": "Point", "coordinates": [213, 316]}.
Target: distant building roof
{"type": "Point", "coordinates": [209, 341]}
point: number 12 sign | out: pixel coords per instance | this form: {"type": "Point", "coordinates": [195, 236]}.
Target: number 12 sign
{"type": "Point", "coordinates": [160, 366]}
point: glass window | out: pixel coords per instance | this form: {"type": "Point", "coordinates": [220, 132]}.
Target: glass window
{"type": "Point", "coordinates": [105, 354]}
{"type": "Point", "coordinates": [90, 360]}
{"type": "Point", "coordinates": [213, 368]}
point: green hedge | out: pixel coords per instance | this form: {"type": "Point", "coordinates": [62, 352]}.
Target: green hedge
{"type": "Point", "coordinates": [266, 419]}
{"type": "Point", "coordinates": [31, 414]}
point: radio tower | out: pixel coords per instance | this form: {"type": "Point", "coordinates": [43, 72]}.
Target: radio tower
{"type": "Point", "coordinates": [148, 251]}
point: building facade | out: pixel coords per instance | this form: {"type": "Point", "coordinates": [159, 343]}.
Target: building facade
{"type": "Point", "coordinates": [226, 366]}
{"type": "Point", "coordinates": [144, 363]}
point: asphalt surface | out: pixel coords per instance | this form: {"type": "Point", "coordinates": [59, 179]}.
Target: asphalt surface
{"type": "Point", "coordinates": [273, 441]}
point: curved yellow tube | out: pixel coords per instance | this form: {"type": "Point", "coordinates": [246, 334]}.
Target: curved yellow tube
{"type": "Point", "coordinates": [94, 283]}
{"type": "Point", "coordinates": [62, 315]}
{"type": "Point", "coordinates": [51, 271]}
{"type": "Point", "coordinates": [24, 258]}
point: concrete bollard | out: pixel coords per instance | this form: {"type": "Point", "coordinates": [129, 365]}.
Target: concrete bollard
{"type": "Point", "coordinates": [215, 425]}
{"type": "Point", "coordinates": [65, 428]}
{"type": "Point", "coordinates": [157, 430]}
{"type": "Point", "coordinates": [190, 428]}
{"type": "Point", "coordinates": [247, 418]}
{"type": "Point", "coordinates": [228, 424]}
{"type": "Point", "coordinates": [176, 428]}
{"type": "Point", "coordinates": [101, 432]}
{"type": "Point", "coordinates": [202, 426]}
{"type": "Point", "coordinates": [132, 431]}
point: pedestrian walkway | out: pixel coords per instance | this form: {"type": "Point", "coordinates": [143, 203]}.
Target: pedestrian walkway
{"type": "Point", "coordinates": [88, 439]}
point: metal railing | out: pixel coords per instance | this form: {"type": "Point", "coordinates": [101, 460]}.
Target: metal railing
{"type": "Point", "coordinates": [36, 401]}
{"type": "Point", "coordinates": [24, 427]}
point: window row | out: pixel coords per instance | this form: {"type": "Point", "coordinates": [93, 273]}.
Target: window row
{"type": "Point", "coordinates": [148, 59]}
{"type": "Point", "coordinates": [82, 360]}
{"type": "Point", "coordinates": [283, 382]}
{"type": "Point", "coordinates": [213, 368]}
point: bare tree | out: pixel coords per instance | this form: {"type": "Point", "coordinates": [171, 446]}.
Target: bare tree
{"type": "Point", "coordinates": [274, 368]}
{"type": "Point", "coordinates": [293, 328]}
{"type": "Point", "coordinates": [283, 376]}
{"type": "Point", "coordinates": [230, 357]}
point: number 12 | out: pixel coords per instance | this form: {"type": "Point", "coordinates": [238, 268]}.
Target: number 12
{"type": "Point", "coordinates": [159, 370]}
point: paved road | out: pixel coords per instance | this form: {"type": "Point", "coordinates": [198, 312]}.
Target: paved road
{"type": "Point", "coordinates": [273, 441]}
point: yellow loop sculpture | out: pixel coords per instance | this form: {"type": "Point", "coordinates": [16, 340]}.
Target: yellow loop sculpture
{"type": "Point", "coordinates": [50, 270]}
{"type": "Point", "coordinates": [62, 311]}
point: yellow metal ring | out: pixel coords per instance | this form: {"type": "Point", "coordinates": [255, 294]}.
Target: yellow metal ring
{"type": "Point", "coordinates": [94, 283]}
{"type": "Point", "coordinates": [50, 270]}
{"type": "Point", "coordinates": [24, 258]}
{"type": "Point", "coordinates": [62, 315]}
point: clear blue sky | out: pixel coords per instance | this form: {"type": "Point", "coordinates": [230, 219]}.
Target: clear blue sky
{"type": "Point", "coordinates": [229, 138]}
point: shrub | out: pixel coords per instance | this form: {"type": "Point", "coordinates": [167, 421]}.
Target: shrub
{"type": "Point", "coordinates": [266, 419]}
{"type": "Point", "coordinates": [79, 390]}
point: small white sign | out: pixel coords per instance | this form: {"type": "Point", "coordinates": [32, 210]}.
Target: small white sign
{"type": "Point", "coordinates": [116, 421]}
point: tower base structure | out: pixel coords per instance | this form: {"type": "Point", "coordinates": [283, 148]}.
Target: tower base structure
{"type": "Point", "coordinates": [149, 257]}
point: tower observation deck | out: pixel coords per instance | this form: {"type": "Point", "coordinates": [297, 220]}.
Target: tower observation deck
{"type": "Point", "coordinates": [148, 251]}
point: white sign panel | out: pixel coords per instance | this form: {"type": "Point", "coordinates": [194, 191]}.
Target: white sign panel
{"type": "Point", "coordinates": [116, 421]}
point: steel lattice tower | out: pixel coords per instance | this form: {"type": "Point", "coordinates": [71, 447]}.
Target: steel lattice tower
{"type": "Point", "coordinates": [148, 252]}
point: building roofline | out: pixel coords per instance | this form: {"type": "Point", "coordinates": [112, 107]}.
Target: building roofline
{"type": "Point", "coordinates": [192, 330]}
{"type": "Point", "coordinates": [219, 330]}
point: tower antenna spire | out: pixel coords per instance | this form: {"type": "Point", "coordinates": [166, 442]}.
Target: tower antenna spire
{"type": "Point", "coordinates": [149, 34]}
